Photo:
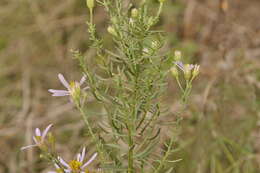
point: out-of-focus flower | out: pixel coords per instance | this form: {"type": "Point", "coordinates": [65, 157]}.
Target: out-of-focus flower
{"type": "Point", "coordinates": [174, 71]}
{"type": "Point", "coordinates": [112, 30]}
{"type": "Point", "coordinates": [39, 137]}
{"type": "Point", "coordinates": [78, 165]}
{"type": "Point", "coordinates": [73, 89]}
{"type": "Point", "coordinates": [177, 55]}
{"type": "Point", "coordinates": [188, 69]}
{"type": "Point", "coordinates": [134, 13]}
{"type": "Point", "coordinates": [196, 71]}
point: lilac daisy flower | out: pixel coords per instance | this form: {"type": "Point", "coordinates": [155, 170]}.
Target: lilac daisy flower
{"type": "Point", "coordinates": [39, 137]}
{"type": "Point", "coordinates": [72, 89]}
{"type": "Point", "coordinates": [78, 165]}
{"type": "Point", "coordinates": [184, 67]}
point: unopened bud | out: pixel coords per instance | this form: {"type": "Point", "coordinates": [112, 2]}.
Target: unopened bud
{"type": "Point", "coordinates": [196, 71]}
{"type": "Point", "coordinates": [177, 55]}
{"type": "Point", "coordinates": [155, 44]}
{"type": "Point", "coordinates": [134, 13]}
{"type": "Point", "coordinates": [174, 71]}
{"type": "Point", "coordinates": [111, 30]}
{"type": "Point", "coordinates": [150, 21]}
{"type": "Point", "coordinates": [162, 1]}
{"type": "Point", "coordinates": [90, 4]}
{"type": "Point", "coordinates": [187, 71]}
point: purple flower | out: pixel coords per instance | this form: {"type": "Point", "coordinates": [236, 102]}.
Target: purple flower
{"type": "Point", "coordinates": [72, 89]}
{"type": "Point", "coordinates": [184, 67]}
{"type": "Point", "coordinates": [39, 137]}
{"type": "Point", "coordinates": [77, 165]}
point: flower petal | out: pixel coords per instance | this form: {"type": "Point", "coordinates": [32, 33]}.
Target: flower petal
{"type": "Point", "coordinates": [63, 162]}
{"type": "Point", "coordinates": [35, 140]}
{"type": "Point", "coordinates": [180, 65]}
{"type": "Point", "coordinates": [78, 157]}
{"type": "Point", "coordinates": [89, 161]}
{"type": "Point", "coordinates": [60, 94]}
{"type": "Point", "coordinates": [82, 80]}
{"type": "Point", "coordinates": [57, 91]}
{"type": "Point", "coordinates": [38, 132]}
{"type": "Point", "coordinates": [63, 81]}
{"type": "Point", "coordinates": [83, 155]}
{"type": "Point", "coordinates": [46, 131]}
{"type": "Point", "coordinates": [29, 146]}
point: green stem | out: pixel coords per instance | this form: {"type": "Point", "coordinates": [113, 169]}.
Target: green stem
{"type": "Point", "coordinates": [165, 156]}
{"type": "Point", "coordinates": [130, 151]}
{"type": "Point", "coordinates": [99, 145]}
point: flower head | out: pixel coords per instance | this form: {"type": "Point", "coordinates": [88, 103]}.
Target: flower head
{"type": "Point", "coordinates": [39, 137]}
{"type": "Point", "coordinates": [73, 89]}
{"type": "Point", "coordinates": [77, 165]}
{"type": "Point", "coordinates": [188, 69]}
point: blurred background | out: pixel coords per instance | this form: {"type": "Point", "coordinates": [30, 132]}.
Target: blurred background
{"type": "Point", "coordinates": [220, 130]}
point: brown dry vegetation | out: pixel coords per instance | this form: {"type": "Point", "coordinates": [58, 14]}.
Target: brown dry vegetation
{"type": "Point", "coordinates": [220, 131]}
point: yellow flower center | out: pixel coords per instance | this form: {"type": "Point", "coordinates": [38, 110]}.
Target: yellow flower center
{"type": "Point", "coordinates": [38, 138]}
{"type": "Point", "coordinates": [59, 170]}
{"type": "Point", "coordinates": [75, 165]}
{"type": "Point", "coordinates": [75, 90]}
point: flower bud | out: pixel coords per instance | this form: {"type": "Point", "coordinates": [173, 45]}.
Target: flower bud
{"type": "Point", "coordinates": [90, 4]}
{"type": "Point", "coordinates": [177, 55]}
{"type": "Point", "coordinates": [187, 71]}
{"type": "Point", "coordinates": [134, 13]}
{"type": "Point", "coordinates": [196, 71]}
{"type": "Point", "coordinates": [174, 71]}
{"type": "Point", "coordinates": [155, 44]}
{"type": "Point", "coordinates": [150, 21]}
{"type": "Point", "coordinates": [112, 31]}
{"type": "Point", "coordinates": [162, 1]}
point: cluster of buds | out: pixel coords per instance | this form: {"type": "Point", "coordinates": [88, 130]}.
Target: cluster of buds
{"type": "Point", "coordinates": [190, 71]}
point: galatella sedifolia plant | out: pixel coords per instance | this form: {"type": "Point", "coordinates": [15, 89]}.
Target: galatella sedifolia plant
{"type": "Point", "coordinates": [128, 86]}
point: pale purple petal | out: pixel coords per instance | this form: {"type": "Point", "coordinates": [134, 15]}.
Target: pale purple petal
{"type": "Point", "coordinates": [45, 132]}
{"type": "Point", "coordinates": [180, 65]}
{"type": "Point", "coordinates": [56, 166]}
{"type": "Point", "coordinates": [67, 170]}
{"type": "Point", "coordinates": [63, 162]}
{"type": "Point", "coordinates": [89, 161]}
{"type": "Point", "coordinates": [37, 132]}
{"type": "Point", "coordinates": [83, 155]}
{"type": "Point", "coordinates": [60, 94]}
{"type": "Point", "coordinates": [191, 66]}
{"type": "Point", "coordinates": [52, 172]}
{"type": "Point", "coordinates": [57, 91]}
{"type": "Point", "coordinates": [78, 157]}
{"type": "Point", "coordinates": [82, 80]}
{"type": "Point", "coordinates": [29, 146]}
{"type": "Point", "coordinates": [35, 140]}
{"type": "Point", "coordinates": [86, 88]}
{"type": "Point", "coordinates": [63, 81]}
